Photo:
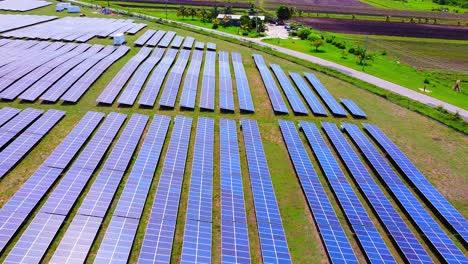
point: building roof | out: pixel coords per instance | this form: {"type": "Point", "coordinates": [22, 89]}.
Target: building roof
{"type": "Point", "coordinates": [237, 17]}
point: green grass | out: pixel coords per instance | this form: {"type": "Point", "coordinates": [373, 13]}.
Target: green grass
{"type": "Point", "coordinates": [436, 149]}
{"type": "Point", "coordinates": [390, 68]}
{"type": "Point", "coordinates": [412, 5]}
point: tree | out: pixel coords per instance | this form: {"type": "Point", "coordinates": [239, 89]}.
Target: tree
{"type": "Point", "coordinates": [202, 14]}
{"type": "Point", "coordinates": [318, 43]}
{"type": "Point", "coordinates": [214, 12]}
{"type": "Point", "coordinates": [252, 11]}
{"type": "Point", "coordinates": [192, 12]}
{"type": "Point", "coordinates": [215, 23]}
{"type": "Point", "coordinates": [304, 32]}
{"type": "Point", "coordinates": [245, 22]}
{"type": "Point", "coordinates": [226, 21]}
{"type": "Point", "coordinates": [283, 13]}
{"type": "Point", "coordinates": [182, 11]}
{"type": "Point", "coordinates": [228, 10]}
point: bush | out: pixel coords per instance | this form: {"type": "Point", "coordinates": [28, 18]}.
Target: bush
{"type": "Point", "coordinates": [352, 50]}
{"type": "Point", "coordinates": [313, 37]}
{"type": "Point", "coordinates": [304, 32]}
{"type": "Point", "coordinates": [215, 26]}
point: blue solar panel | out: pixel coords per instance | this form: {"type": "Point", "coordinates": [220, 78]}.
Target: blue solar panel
{"type": "Point", "coordinates": [171, 88]}
{"type": "Point", "coordinates": [177, 42]}
{"type": "Point", "coordinates": [79, 237]}
{"type": "Point", "coordinates": [17, 124]}
{"type": "Point", "coordinates": [166, 40]}
{"type": "Point", "coordinates": [189, 91]}
{"type": "Point", "coordinates": [242, 83]}
{"type": "Point", "coordinates": [353, 108]}
{"type": "Point", "coordinates": [211, 46]}
{"type": "Point", "coordinates": [370, 239]}
{"type": "Point", "coordinates": [126, 217]}
{"type": "Point", "coordinates": [337, 245]}
{"type": "Point", "coordinates": [148, 98]}
{"type": "Point", "coordinates": [415, 210]}
{"type": "Point", "coordinates": [407, 242]}
{"type": "Point", "coordinates": [293, 97]}
{"type": "Point", "coordinates": [451, 215]}
{"type": "Point", "coordinates": [199, 45]}
{"type": "Point", "coordinates": [332, 104]}
{"type": "Point", "coordinates": [144, 38]}
{"type": "Point", "coordinates": [307, 93]}
{"type": "Point", "coordinates": [273, 92]}
{"type": "Point", "coordinates": [226, 98]}
{"type": "Point", "coordinates": [207, 96]}
{"type": "Point", "coordinates": [114, 87]}
{"type": "Point", "coordinates": [270, 227]}
{"type": "Point", "coordinates": [234, 231]}
{"type": "Point", "coordinates": [157, 244]}
{"type": "Point", "coordinates": [153, 41]}
{"type": "Point", "coordinates": [188, 43]}
{"type": "Point", "coordinates": [197, 235]}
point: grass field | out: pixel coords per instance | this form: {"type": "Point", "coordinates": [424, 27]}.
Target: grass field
{"type": "Point", "coordinates": [413, 5]}
{"type": "Point", "coordinates": [408, 61]}
{"type": "Point", "coordinates": [438, 151]}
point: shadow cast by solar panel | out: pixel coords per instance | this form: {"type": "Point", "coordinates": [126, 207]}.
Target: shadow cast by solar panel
{"type": "Point", "coordinates": [227, 111]}
{"type": "Point", "coordinates": [65, 103]}
{"type": "Point", "coordinates": [186, 109]}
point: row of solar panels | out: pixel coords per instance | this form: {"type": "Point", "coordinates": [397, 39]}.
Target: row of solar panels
{"type": "Point", "coordinates": [22, 5]}
{"type": "Point", "coordinates": [163, 70]}
{"type": "Point", "coordinates": [51, 71]}
{"type": "Point", "coordinates": [164, 39]}
{"type": "Point", "coordinates": [80, 29]}
{"type": "Point", "coordinates": [80, 154]}
{"type": "Point", "coordinates": [297, 105]}
{"type": "Point", "coordinates": [372, 243]}
{"type": "Point", "coordinates": [12, 21]}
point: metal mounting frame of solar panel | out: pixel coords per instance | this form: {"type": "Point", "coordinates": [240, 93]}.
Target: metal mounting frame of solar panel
{"type": "Point", "coordinates": [226, 97]}
{"type": "Point", "coordinates": [367, 234]}
{"type": "Point", "coordinates": [391, 220]}
{"type": "Point", "coordinates": [141, 41]}
{"type": "Point", "coordinates": [442, 243]}
{"type": "Point", "coordinates": [297, 105]}
{"type": "Point", "coordinates": [208, 85]}
{"type": "Point", "coordinates": [189, 90]}
{"type": "Point", "coordinates": [279, 106]}
{"type": "Point", "coordinates": [353, 108]}
{"type": "Point", "coordinates": [447, 211]}
{"type": "Point", "coordinates": [274, 245]}
{"type": "Point", "coordinates": [327, 98]}
{"type": "Point", "coordinates": [309, 96]}
{"type": "Point", "coordinates": [166, 40]}
{"type": "Point", "coordinates": [242, 84]}
{"type": "Point", "coordinates": [337, 245]}
{"type": "Point", "coordinates": [172, 85]}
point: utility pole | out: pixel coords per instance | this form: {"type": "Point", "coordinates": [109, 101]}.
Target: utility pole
{"type": "Point", "coordinates": [166, 9]}
{"type": "Point", "coordinates": [365, 52]}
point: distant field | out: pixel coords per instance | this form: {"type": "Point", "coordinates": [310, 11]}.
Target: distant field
{"type": "Point", "coordinates": [415, 5]}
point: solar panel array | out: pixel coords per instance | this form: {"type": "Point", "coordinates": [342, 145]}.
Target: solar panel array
{"type": "Point", "coordinates": [171, 88]}
{"type": "Point", "coordinates": [294, 100]}
{"type": "Point", "coordinates": [406, 241]}
{"type": "Point", "coordinates": [114, 87]}
{"type": "Point", "coordinates": [177, 42]}
{"type": "Point", "coordinates": [270, 226]}
{"type": "Point", "coordinates": [332, 104]}
{"type": "Point", "coordinates": [359, 220]}
{"type": "Point", "coordinates": [274, 94]}
{"type": "Point", "coordinates": [78, 238]}
{"type": "Point", "coordinates": [17, 124]}
{"type": "Point", "coordinates": [211, 46]}
{"type": "Point", "coordinates": [22, 5]}
{"type": "Point", "coordinates": [242, 84]}
{"type": "Point", "coordinates": [80, 29]}
{"type": "Point", "coordinates": [144, 38]}
{"type": "Point", "coordinates": [207, 96]}
{"type": "Point", "coordinates": [353, 108]}
{"type": "Point", "coordinates": [36, 239]}
{"type": "Point", "coordinates": [336, 243]}
{"type": "Point", "coordinates": [451, 215]}
{"type": "Point", "coordinates": [126, 217]}
{"type": "Point", "coordinates": [13, 21]}
{"type": "Point", "coordinates": [188, 43]}
{"type": "Point", "coordinates": [156, 38]}
{"type": "Point", "coordinates": [157, 244]}
{"type": "Point", "coordinates": [196, 247]}
{"type": "Point", "coordinates": [309, 96]}
{"type": "Point", "coordinates": [199, 45]}
{"type": "Point", "coordinates": [166, 40]}
{"type": "Point", "coordinates": [442, 243]}
{"type": "Point", "coordinates": [226, 97]}
{"type": "Point", "coordinates": [234, 229]}
{"type": "Point", "coordinates": [189, 90]}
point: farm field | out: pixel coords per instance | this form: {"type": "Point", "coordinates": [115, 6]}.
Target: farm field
{"type": "Point", "coordinates": [414, 5]}
{"type": "Point", "coordinates": [438, 151]}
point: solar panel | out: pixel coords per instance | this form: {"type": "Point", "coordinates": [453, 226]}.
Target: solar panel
{"type": "Point", "coordinates": [84, 83]}
{"type": "Point", "coordinates": [154, 40]}
{"type": "Point", "coordinates": [196, 246]}
{"type": "Point", "coordinates": [171, 88]}
{"type": "Point", "coordinates": [166, 40]}
{"type": "Point", "coordinates": [21, 146]}
{"type": "Point", "coordinates": [336, 243]}
{"type": "Point", "coordinates": [17, 124]}
{"type": "Point", "coordinates": [148, 98]}
{"type": "Point", "coordinates": [234, 230]}
{"type": "Point", "coordinates": [273, 92]}
{"type": "Point", "coordinates": [14, 21]}
{"type": "Point", "coordinates": [353, 108]}
{"type": "Point", "coordinates": [451, 215]}
{"type": "Point", "coordinates": [332, 104]}
{"type": "Point", "coordinates": [207, 96]}
{"type": "Point", "coordinates": [211, 46]}
{"type": "Point", "coordinates": [124, 222]}
{"type": "Point", "coordinates": [308, 95]}
{"type": "Point", "coordinates": [358, 218]}
{"type": "Point", "coordinates": [188, 43]}
{"type": "Point", "coordinates": [136, 27]}
{"type": "Point", "coordinates": [407, 242]}
{"type": "Point", "coordinates": [288, 89]}
{"type": "Point", "coordinates": [415, 210]}
{"type": "Point", "coordinates": [144, 38]}
{"type": "Point", "coordinates": [226, 99]}
{"type": "Point", "coordinates": [157, 244]}
{"type": "Point", "coordinates": [177, 42]}
{"type": "Point", "coordinates": [270, 227]}
{"type": "Point", "coordinates": [34, 244]}
{"type": "Point", "coordinates": [199, 45]}
{"type": "Point", "coordinates": [242, 83]}
{"type": "Point", "coordinates": [79, 237]}
{"type": "Point", "coordinates": [189, 91]}
{"type": "Point", "coordinates": [114, 87]}
{"type": "Point", "coordinates": [7, 113]}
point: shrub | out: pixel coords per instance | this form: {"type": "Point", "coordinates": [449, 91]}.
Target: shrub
{"type": "Point", "coordinates": [313, 37]}
{"type": "Point", "coordinates": [304, 32]}
{"type": "Point", "coordinates": [352, 50]}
